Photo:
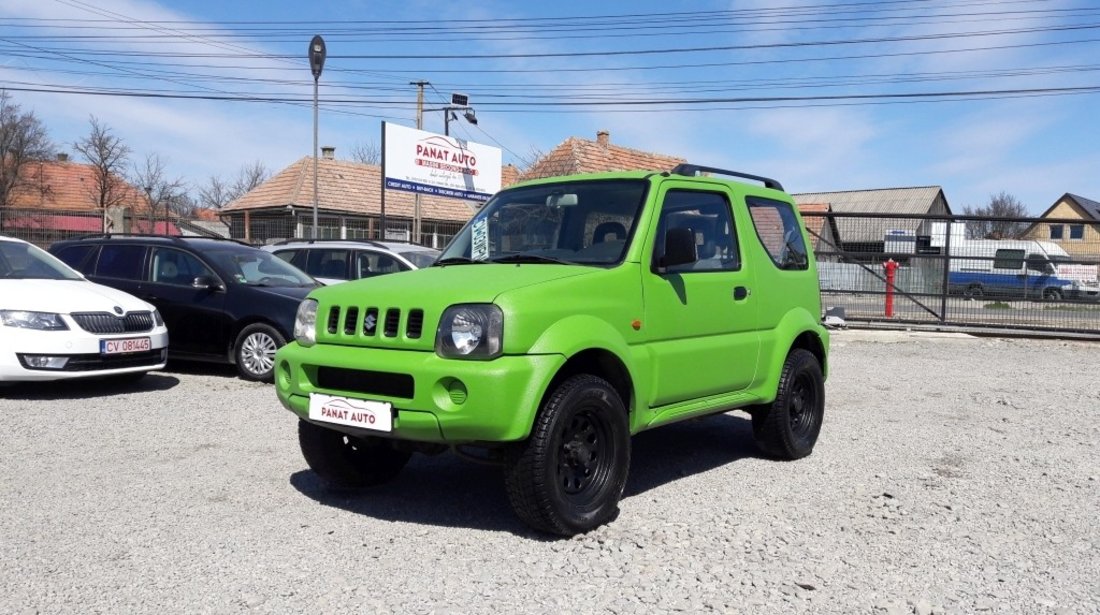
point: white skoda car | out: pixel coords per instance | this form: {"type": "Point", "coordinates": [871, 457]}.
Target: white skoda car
{"type": "Point", "coordinates": [54, 324]}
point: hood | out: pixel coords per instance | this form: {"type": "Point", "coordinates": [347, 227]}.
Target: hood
{"type": "Point", "coordinates": [292, 292]}
{"type": "Point", "coordinates": [450, 284]}
{"type": "Point", "coordinates": [66, 297]}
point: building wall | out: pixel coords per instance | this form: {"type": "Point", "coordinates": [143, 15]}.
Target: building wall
{"type": "Point", "coordinates": [1087, 246]}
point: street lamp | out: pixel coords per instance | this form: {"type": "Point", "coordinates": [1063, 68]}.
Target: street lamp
{"type": "Point", "coordinates": [459, 102]}
{"type": "Point", "coordinates": [316, 64]}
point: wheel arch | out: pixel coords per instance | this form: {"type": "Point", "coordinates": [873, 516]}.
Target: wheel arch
{"type": "Point", "coordinates": [241, 325]}
{"type": "Point", "coordinates": [597, 362]}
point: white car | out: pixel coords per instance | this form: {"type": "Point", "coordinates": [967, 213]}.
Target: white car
{"type": "Point", "coordinates": [54, 324]}
{"type": "Point", "coordinates": [331, 261]}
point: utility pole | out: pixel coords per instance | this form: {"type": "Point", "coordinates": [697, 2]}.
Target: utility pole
{"type": "Point", "coordinates": [419, 126]}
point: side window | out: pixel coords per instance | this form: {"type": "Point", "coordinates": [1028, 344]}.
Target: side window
{"type": "Point", "coordinates": [177, 267]}
{"type": "Point", "coordinates": [325, 263]}
{"type": "Point", "coordinates": [1037, 263]}
{"type": "Point", "coordinates": [779, 232]}
{"type": "Point", "coordinates": [707, 214]}
{"type": "Point", "coordinates": [1008, 259]}
{"type": "Point", "coordinates": [121, 261]}
{"type": "Point", "coordinates": [288, 255]}
{"type": "Point", "coordinates": [74, 256]}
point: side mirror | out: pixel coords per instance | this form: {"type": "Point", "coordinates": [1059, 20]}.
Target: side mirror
{"type": "Point", "coordinates": [680, 248]}
{"type": "Point", "coordinates": [205, 282]}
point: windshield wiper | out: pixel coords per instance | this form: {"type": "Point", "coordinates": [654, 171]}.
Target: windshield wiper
{"type": "Point", "coordinates": [529, 258]}
{"type": "Point", "coordinates": [456, 260]}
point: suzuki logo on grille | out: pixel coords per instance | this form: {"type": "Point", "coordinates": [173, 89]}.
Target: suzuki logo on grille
{"type": "Point", "coordinates": [369, 322]}
{"type": "Point", "coordinates": [118, 310]}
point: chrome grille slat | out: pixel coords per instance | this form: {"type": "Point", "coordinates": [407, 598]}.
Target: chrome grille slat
{"type": "Point", "coordinates": [105, 322]}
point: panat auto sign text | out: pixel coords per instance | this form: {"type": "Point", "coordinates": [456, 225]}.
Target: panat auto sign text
{"type": "Point", "coordinates": [420, 161]}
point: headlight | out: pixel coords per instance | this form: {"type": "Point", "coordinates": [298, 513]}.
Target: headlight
{"type": "Point", "coordinates": [470, 331]}
{"type": "Point", "coordinates": [157, 318]}
{"type": "Point", "coordinates": [305, 323]}
{"type": "Point", "coordinates": [43, 321]}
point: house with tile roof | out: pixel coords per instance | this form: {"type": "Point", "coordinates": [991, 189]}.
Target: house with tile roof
{"type": "Point", "coordinates": [1074, 224]}
{"type": "Point", "coordinates": [59, 199]}
{"type": "Point", "coordinates": [349, 205]}
{"type": "Point", "coordinates": [866, 232]}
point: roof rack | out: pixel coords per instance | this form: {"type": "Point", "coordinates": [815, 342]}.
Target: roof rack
{"type": "Point", "coordinates": [691, 170]}
{"type": "Point", "coordinates": [173, 238]}
{"type": "Point", "coordinates": [369, 242]}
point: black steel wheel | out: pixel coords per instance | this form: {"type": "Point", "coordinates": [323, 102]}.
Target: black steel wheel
{"type": "Point", "coordinates": [345, 462]}
{"type": "Point", "coordinates": [974, 291]}
{"type": "Point", "coordinates": [568, 476]}
{"type": "Point", "coordinates": [788, 428]}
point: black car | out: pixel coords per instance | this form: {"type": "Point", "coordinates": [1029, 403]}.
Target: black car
{"type": "Point", "coordinates": [222, 300]}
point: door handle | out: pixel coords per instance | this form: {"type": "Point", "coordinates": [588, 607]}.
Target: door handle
{"type": "Point", "coordinates": [740, 292]}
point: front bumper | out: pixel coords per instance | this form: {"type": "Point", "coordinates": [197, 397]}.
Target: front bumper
{"type": "Point", "coordinates": [81, 351]}
{"type": "Point", "coordinates": [445, 401]}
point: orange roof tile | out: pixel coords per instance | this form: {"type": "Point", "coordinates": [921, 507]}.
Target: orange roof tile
{"type": "Point", "coordinates": [66, 185]}
{"type": "Point", "coordinates": [576, 155]}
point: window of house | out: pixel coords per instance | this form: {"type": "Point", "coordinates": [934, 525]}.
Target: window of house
{"type": "Point", "coordinates": [1057, 230]}
{"type": "Point", "coordinates": [1077, 231]}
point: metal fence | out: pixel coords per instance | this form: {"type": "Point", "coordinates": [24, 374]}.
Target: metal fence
{"type": "Point", "coordinates": [266, 227]}
{"type": "Point", "coordinates": [1024, 274]}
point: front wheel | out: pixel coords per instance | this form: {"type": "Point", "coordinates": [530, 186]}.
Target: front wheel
{"type": "Point", "coordinates": [568, 476]}
{"type": "Point", "coordinates": [346, 462]}
{"type": "Point", "coordinates": [1052, 294]}
{"type": "Point", "coordinates": [789, 426]}
{"type": "Point", "coordinates": [255, 352]}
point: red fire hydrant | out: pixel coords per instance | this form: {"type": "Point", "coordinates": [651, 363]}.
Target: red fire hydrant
{"type": "Point", "coordinates": [891, 268]}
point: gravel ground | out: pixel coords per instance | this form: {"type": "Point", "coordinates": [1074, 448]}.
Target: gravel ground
{"type": "Point", "coordinates": [953, 475]}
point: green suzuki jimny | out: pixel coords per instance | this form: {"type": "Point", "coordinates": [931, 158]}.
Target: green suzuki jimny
{"type": "Point", "coordinates": [567, 315]}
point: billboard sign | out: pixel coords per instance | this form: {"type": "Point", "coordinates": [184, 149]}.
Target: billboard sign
{"type": "Point", "coordinates": [429, 163]}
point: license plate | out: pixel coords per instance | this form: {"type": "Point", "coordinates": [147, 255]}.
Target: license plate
{"type": "Point", "coordinates": [375, 415]}
{"type": "Point", "coordinates": [133, 344]}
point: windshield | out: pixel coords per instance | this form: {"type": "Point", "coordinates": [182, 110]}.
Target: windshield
{"type": "Point", "coordinates": [579, 222]}
{"type": "Point", "coordinates": [23, 261]}
{"type": "Point", "coordinates": [259, 268]}
{"type": "Point", "coordinates": [420, 258]}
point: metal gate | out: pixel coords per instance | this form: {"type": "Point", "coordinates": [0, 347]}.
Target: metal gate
{"type": "Point", "coordinates": [1029, 275]}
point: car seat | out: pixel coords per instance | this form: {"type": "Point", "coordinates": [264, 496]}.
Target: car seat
{"type": "Point", "coordinates": [604, 229]}
{"type": "Point", "coordinates": [167, 272]}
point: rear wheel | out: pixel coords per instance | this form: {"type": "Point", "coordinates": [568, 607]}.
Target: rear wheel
{"type": "Point", "coordinates": [974, 291]}
{"type": "Point", "coordinates": [788, 428]}
{"type": "Point", "coordinates": [255, 352]}
{"type": "Point", "coordinates": [568, 476]}
{"type": "Point", "coordinates": [348, 462]}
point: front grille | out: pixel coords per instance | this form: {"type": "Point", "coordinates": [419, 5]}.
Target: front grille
{"type": "Point", "coordinates": [105, 322]}
{"type": "Point", "coordinates": [366, 382]}
{"type": "Point", "coordinates": [376, 322]}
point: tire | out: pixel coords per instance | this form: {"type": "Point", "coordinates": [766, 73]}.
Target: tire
{"type": "Point", "coordinates": [568, 476]}
{"type": "Point", "coordinates": [1052, 294]}
{"type": "Point", "coordinates": [788, 428]}
{"type": "Point", "coordinates": [345, 462]}
{"type": "Point", "coordinates": [254, 352]}
{"type": "Point", "coordinates": [974, 291]}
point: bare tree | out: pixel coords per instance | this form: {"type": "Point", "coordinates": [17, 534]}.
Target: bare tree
{"type": "Point", "coordinates": [160, 191]}
{"type": "Point", "coordinates": [23, 139]}
{"type": "Point", "coordinates": [218, 193]}
{"type": "Point", "coordinates": [108, 156]}
{"type": "Point", "coordinates": [367, 153]}
{"type": "Point", "coordinates": [1004, 209]}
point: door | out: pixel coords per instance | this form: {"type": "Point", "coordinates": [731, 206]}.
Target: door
{"type": "Point", "coordinates": [196, 318]}
{"type": "Point", "coordinates": [119, 265]}
{"type": "Point", "coordinates": [701, 317]}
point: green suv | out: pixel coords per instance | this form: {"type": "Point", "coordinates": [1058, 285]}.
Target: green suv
{"type": "Point", "coordinates": [567, 315]}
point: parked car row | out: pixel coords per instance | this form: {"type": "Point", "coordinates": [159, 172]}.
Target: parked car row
{"type": "Point", "coordinates": [104, 305]}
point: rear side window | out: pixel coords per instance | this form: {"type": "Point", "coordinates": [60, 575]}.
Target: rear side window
{"type": "Point", "coordinates": [370, 264]}
{"type": "Point", "coordinates": [1008, 259]}
{"type": "Point", "coordinates": [74, 256]}
{"type": "Point", "coordinates": [323, 263]}
{"type": "Point", "coordinates": [779, 232]}
{"type": "Point", "coordinates": [123, 262]}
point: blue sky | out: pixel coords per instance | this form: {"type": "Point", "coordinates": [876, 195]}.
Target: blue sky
{"type": "Point", "coordinates": [662, 77]}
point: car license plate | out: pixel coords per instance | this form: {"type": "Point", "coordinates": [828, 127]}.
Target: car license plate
{"type": "Point", "coordinates": [375, 415]}
{"type": "Point", "coordinates": [133, 344]}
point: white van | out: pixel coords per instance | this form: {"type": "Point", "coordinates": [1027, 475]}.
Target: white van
{"type": "Point", "coordinates": [1020, 269]}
